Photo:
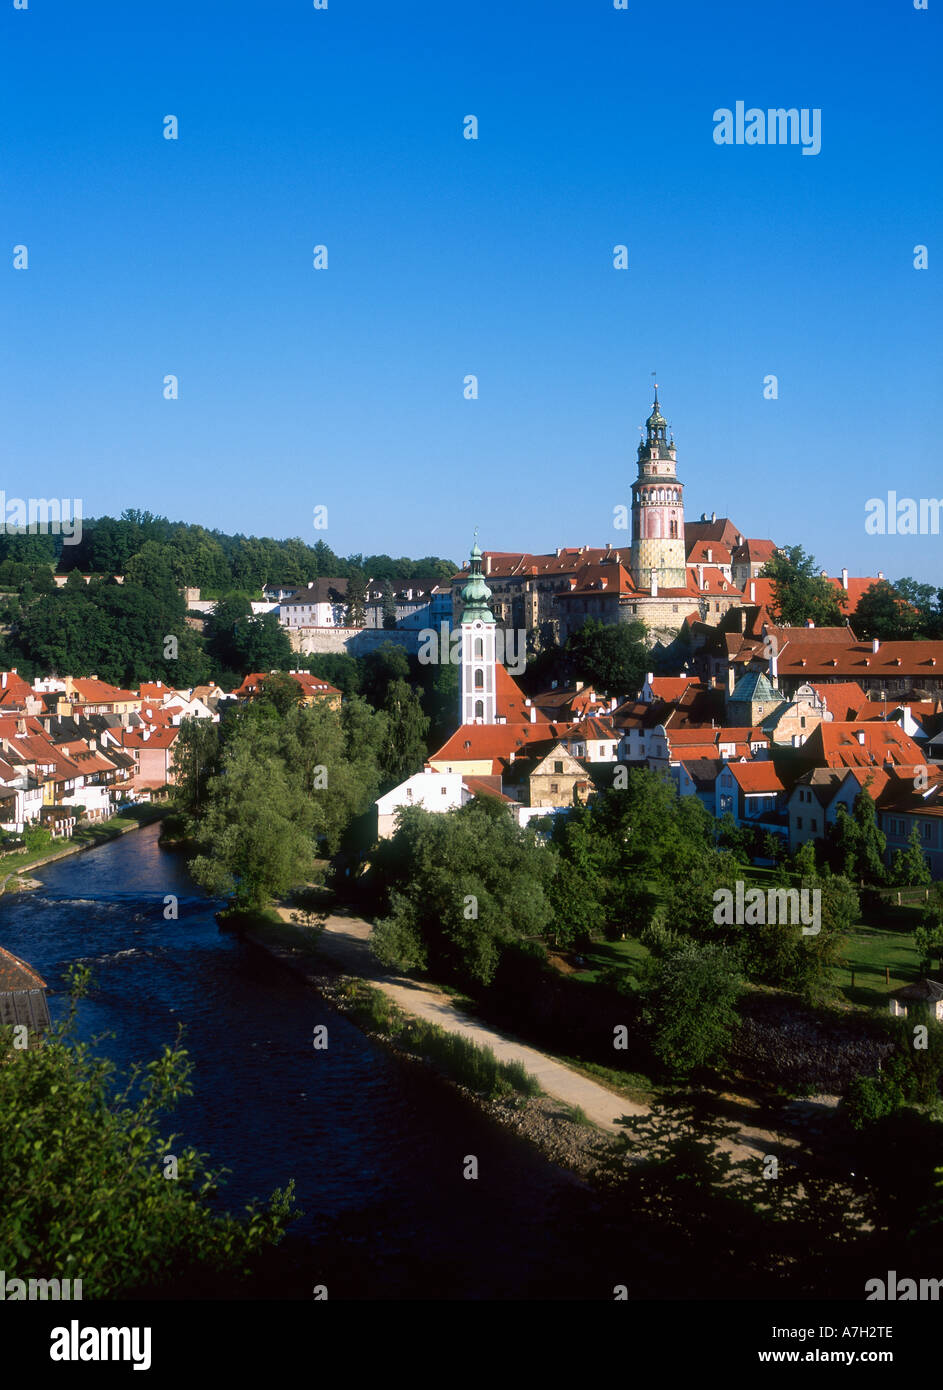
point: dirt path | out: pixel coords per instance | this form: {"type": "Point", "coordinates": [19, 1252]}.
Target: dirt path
{"type": "Point", "coordinates": [345, 943]}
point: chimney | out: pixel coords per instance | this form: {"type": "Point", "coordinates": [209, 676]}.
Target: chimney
{"type": "Point", "coordinates": [487, 560]}
{"type": "Point", "coordinates": [875, 644]}
{"type": "Point", "coordinates": [774, 669]}
{"type": "Point", "coordinates": [880, 574]}
{"type": "Point", "coordinates": [825, 574]}
{"type": "Point", "coordinates": [710, 555]}
{"type": "Point", "coordinates": [713, 516]}
{"type": "Point", "coordinates": [861, 736]}
{"type": "Point", "coordinates": [753, 591]}
{"type": "Point", "coordinates": [578, 685]}
{"type": "Point", "coordinates": [533, 715]}
{"type": "Point", "coordinates": [3, 682]}
{"type": "Point", "coordinates": [700, 576]}
{"type": "Point", "coordinates": [844, 579]}
{"type": "Point", "coordinates": [654, 583]}
{"type": "Point", "coordinates": [809, 622]}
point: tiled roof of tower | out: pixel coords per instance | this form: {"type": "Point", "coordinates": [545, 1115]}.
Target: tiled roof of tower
{"type": "Point", "coordinates": [754, 686]}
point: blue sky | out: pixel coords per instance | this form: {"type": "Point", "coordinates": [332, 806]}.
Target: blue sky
{"type": "Point", "coordinates": [447, 257]}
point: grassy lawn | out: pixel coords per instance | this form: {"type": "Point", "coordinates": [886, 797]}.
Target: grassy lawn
{"type": "Point", "coordinates": [85, 835]}
{"type": "Point", "coordinates": [868, 951]}
{"type": "Point", "coordinates": [605, 955]}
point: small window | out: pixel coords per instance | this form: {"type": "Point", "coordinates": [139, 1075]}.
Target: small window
{"type": "Point", "coordinates": [554, 787]}
{"type": "Point", "coordinates": [798, 822]}
{"type": "Point", "coordinates": [558, 767]}
{"type": "Point", "coordinates": [442, 791]}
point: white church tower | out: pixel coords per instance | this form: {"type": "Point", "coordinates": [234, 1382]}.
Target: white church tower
{"type": "Point", "coordinates": [477, 685]}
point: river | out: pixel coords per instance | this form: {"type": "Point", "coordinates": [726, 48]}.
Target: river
{"type": "Point", "coordinates": [375, 1144]}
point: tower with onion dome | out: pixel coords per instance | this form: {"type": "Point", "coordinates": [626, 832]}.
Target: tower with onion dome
{"type": "Point", "coordinates": [658, 554]}
{"type": "Point", "coordinates": [477, 684]}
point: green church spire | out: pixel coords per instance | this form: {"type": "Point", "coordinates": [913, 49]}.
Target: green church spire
{"type": "Point", "coordinates": [476, 594]}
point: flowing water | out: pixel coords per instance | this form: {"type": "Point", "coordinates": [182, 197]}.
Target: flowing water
{"type": "Point", "coordinates": [376, 1144]}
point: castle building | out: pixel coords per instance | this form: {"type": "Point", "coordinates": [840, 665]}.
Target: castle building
{"type": "Point", "coordinates": [658, 557]}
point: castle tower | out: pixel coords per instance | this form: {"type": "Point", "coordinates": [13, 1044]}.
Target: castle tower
{"type": "Point", "coordinates": [477, 683]}
{"type": "Point", "coordinates": [658, 554]}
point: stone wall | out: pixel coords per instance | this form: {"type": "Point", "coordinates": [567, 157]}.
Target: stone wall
{"type": "Point", "coordinates": [355, 641]}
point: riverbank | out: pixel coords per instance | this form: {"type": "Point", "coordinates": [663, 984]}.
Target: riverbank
{"type": "Point", "coordinates": [559, 1128]}
{"type": "Point", "coordinates": [576, 1122]}
{"type": "Point", "coordinates": [87, 837]}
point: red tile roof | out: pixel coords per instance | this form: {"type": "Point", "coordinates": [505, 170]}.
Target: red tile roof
{"type": "Point", "coordinates": [844, 699]}
{"type": "Point", "coordinates": [15, 974]}
{"type": "Point", "coordinates": [95, 692]}
{"type": "Point", "coordinates": [756, 777]}
{"type": "Point", "coordinates": [861, 744]}
{"type": "Point", "coordinates": [479, 742]}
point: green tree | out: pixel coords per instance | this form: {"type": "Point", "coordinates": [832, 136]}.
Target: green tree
{"type": "Point", "coordinates": [255, 831]}
{"type": "Point", "coordinates": [195, 753]}
{"type": "Point", "coordinates": [800, 591]}
{"type": "Point", "coordinates": [380, 668]}
{"type": "Point", "coordinates": [86, 1194]}
{"type": "Point", "coordinates": [356, 602]}
{"type": "Point", "coordinates": [405, 747]}
{"type": "Point", "coordinates": [691, 1009]}
{"type": "Point", "coordinates": [389, 605]}
{"type": "Point", "coordinates": [882, 612]}
{"type": "Point", "coordinates": [612, 657]}
{"type": "Point", "coordinates": [910, 868]}
{"type": "Point", "coordinates": [872, 842]}
{"type": "Point", "coordinates": [457, 890]}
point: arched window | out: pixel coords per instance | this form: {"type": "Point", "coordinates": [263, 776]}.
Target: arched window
{"type": "Point", "coordinates": [479, 709]}
{"type": "Point", "coordinates": [479, 649]}
{"type": "Point", "coordinates": [479, 678]}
